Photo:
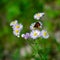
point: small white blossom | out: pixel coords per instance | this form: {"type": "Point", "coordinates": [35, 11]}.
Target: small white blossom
{"type": "Point", "coordinates": [22, 35]}
{"type": "Point", "coordinates": [35, 34]}
{"type": "Point", "coordinates": [16, 33]}
{"type": "Point", "coordinates": [44, 34]}
{"type": "Point", "coordinates": [18, 27]}
{"type": "Point", "coordinates": [25, 36]}
{"type": "Point", "coordinates": [38, 16]}
{"type": "Point", "coordinates": [33, 27]}
{"type": "Point", "coordinates": [13, 23]}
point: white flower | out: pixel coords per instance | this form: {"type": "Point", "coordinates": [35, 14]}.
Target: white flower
{"type": "Point", "coordinates": [44, 34]}
{"type": "Point", "coordinates": [18, 27]}
{"type": "Point", "coordinates": [35, 34]}
{"type": "Point", "coordinates": [16, 33]}
{"type": "Point", "coordinates": [22, 35]}
{"type": "Point", "coordinates": [38, 16]}
{"type": "Point", "coordinates": [32, 26]}
{"type": "Point", "coordinates": [13, 23]}
{"type": "Point", "coordinates": [35, 25]}
{"type": "Point", "coordinates": [25, 36]}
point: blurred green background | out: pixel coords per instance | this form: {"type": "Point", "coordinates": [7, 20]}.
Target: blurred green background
{"type": "Point", "coordinates": [23, 11]}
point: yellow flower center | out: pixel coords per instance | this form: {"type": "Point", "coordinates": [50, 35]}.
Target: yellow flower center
{"type": "Point", "coordinates": [45, 33]}
{"type": "Point", "coordinates": [38, 14]}
{"type": "Point", "coordinates": [17, 31]}
{"type": "Point", "coordinates": [35, 34]}
{"type": "Point", "coordinates": [17, 26]}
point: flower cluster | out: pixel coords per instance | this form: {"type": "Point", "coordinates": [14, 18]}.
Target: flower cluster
{"type": "Point", "coordinates": [36, 29]}
{"type": "Point", "coordinates": [16, 28]}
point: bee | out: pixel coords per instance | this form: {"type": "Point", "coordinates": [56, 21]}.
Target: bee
{"type": "Point", "coordinates": [37, 25]}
